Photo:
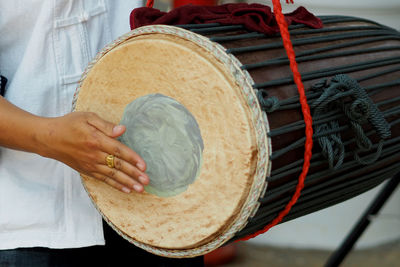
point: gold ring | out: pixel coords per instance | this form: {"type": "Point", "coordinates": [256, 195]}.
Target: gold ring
{"type": "Point", "coordinates": [110, 161]}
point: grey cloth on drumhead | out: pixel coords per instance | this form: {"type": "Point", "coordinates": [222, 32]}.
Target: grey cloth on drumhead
{"type": "Point", "coordinates": [166, 135]}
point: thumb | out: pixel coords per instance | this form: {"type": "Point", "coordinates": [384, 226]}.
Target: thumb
{"type": "Point", "coordinates": [106, 127]}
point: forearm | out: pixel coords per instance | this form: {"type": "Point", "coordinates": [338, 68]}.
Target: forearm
{"type": "Point", "coordinates": [19, 129]}
{"type": "Point", "coordinates": [82, 140]}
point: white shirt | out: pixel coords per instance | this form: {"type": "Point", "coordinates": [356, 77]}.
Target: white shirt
{"type": "Point", "coordinates": [45, 46]}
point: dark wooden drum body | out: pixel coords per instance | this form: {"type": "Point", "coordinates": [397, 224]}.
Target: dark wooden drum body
{"type": "Point", "coordinates": [369, 54]}
{"type": "Point", "coordinates": [238, 86]}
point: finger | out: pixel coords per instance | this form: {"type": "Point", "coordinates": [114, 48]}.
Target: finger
{"type": "Point", "coordinates": [128, 169]}
{"type": "Point", "coordinates": [121, 151]}
{"type": "Point", "coordinates": [120, 177]}
{"type": "Point", "coordinates": [106, 127]}
{"type": "Point", "coordinates": [111, 182]}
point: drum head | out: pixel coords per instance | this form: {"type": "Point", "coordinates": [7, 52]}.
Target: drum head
{"type": "Point", "coordinates": [234, 154]}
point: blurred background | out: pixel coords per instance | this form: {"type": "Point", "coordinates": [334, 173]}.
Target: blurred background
{"type": "Point", "coordinates": [310, 240]}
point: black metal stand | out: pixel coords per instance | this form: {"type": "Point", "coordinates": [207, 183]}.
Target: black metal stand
{"type": "Point", "coordinates": [338, 256]}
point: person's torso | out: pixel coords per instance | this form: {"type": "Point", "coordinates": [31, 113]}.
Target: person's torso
{"type": "Point", "coordinates": [45, 47]}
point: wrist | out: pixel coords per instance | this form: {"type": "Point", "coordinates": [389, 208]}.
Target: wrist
{"type": "Point", "coordinates": [24, 131]}
{"type": "Point", "coordinates": [43, 136]}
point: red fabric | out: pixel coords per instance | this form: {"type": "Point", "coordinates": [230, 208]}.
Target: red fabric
{"type": "Point", "coordinates": [178, 3]}
{"type": "Point", "coordinates": [255, 17]}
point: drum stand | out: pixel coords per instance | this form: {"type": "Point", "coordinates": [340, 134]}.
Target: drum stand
{"type": "Point", "coordinates": [338, 256]}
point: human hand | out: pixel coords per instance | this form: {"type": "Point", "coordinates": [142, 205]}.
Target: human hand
{"type": "Point", "coordinates": [83, 140]}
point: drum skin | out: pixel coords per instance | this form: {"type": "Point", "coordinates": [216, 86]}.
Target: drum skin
{"type": "Point", "coordinates": [158, 63]}
{"type": "Point", "coordinates": [238, 191]}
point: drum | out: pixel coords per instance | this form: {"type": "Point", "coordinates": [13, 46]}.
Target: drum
{"type": "Point", "coordinates": [246, 129]}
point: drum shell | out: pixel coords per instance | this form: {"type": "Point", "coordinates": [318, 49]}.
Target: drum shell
{"type": "Point", "coordinates": [337, 31]}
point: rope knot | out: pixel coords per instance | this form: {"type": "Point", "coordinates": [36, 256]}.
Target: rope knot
{"type": "Point", "coordinates": [359, 110]}
{"type": "Point", "coordinates": [346, 95]}
{"type": "Point", "coordinates": [268, 104]}
{"type": "Point", "coordinates": [320, 85]}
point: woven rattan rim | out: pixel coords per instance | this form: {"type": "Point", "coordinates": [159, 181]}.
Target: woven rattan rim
{"type": "Point", "coordinates": [259, 120]}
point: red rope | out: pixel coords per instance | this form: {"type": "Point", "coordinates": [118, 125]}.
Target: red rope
{"type": "Point", "coordinates": [287, 43]}
{"type": "Point", "coordinates": [150, 3]}
{"type": "Point", "coordinates": [306, 114]}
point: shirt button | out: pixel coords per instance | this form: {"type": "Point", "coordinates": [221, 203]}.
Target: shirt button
{"type": "Point", "coordinates": [84, 17]}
